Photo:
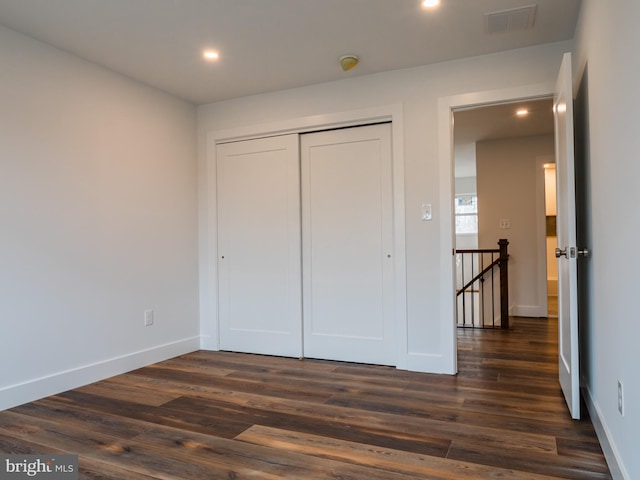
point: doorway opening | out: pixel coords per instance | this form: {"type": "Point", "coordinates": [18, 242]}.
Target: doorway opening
{"type": "Point", "coordinates": [500, 154]}
{"type": "Point", "coordinates": [561, 92]}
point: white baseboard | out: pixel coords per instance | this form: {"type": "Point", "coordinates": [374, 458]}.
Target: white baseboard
{"type": "Point", "coordinates": [618, 472]}
{"type": "Point", "coordinates": [15, 395]}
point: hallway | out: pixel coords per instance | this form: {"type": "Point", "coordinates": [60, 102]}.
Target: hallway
{"type": "Point", "coordinates": [517, 371]}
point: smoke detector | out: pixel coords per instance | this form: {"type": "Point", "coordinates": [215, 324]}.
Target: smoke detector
{"type": "Point", "coordinates": [512, 20]}
{"type": "Point", "coordinates": [347, 62]}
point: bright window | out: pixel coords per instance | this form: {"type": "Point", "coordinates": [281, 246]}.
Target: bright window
{"type": "Point", "coordinates": [466, 207]}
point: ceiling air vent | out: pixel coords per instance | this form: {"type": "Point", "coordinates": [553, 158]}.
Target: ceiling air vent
{"type": "Point", "coordinates": [510, 20]}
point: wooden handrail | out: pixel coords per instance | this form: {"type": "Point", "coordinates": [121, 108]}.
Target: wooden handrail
{"type": "Point", "coordinates": [481, 250]}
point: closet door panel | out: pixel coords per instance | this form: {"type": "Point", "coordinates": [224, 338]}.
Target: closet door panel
{"type": "Point", "coordinates": [348, 245]}
{"type": "Point", "coordinates": [259, 246]}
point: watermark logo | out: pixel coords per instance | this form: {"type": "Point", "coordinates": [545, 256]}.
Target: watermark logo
{"type": "Point", "coordinates": [50, 467]}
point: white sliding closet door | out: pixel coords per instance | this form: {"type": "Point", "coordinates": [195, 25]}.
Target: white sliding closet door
{"type": "Point", "coordinates": [347, 232]}
{"type": "Point", "coordinates": [259, 246]}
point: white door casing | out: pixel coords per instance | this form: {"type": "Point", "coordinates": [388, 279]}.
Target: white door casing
{"type": "Point", "coordinates": [259, 246]}
{"type": "Point", "coordinates": [348, 251]}
{"type": "Point", "coordinates": [568, 347]}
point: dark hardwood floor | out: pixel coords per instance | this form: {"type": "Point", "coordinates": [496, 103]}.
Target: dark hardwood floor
{"type": "Point", "coordinates": [217, 415]}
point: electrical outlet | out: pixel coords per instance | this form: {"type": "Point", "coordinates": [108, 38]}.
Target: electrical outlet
{"type": "Point", "coordinates": [505, 224]}
{"type": "Point", "coordinates": [620, 397]}
{"type": "Point", "coordinates": [148, 318]}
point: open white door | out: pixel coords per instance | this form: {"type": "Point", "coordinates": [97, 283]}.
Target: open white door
{"type": "Point", "coordinates": [567, 251]}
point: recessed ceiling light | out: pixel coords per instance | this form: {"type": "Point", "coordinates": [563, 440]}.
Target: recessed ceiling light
{"type": "Point", "coordinates": [523, 112]}
{"type": "Point", "coordinates": [430, 3]}
{"type": "Point", "coordinates": [211, 55]}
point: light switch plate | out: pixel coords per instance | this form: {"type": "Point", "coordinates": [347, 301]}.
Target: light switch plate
{"type": "Point", "coordinates": [426, 212]}
{"type": "Point", "coordinates": [505, 224]}
{"type": "Point", "coordinates": [148, 318]}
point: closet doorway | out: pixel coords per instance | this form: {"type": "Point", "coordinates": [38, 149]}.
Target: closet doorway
{"type": "Point", "coordinates": [306, 251]}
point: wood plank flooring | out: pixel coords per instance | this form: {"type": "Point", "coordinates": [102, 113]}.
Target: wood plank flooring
{"type": "Point", "coordinates": [220, 415]}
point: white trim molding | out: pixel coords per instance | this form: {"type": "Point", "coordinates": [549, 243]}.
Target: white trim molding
{"type": "Point", "coordinates": [611, 455]}
{"type": "Point", "coordinates": [32, 390]}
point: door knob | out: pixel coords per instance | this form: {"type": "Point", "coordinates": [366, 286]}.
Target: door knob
{"type": "Point", "coordinates": [583, 252]}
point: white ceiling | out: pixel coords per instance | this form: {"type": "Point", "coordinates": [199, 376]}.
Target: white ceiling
{"type": "Point", "coordinates": [500, 121]}
{"type": "Point", "coordinates": [268, 45]}
{"type": "Point", "coordinates": [496, 122]}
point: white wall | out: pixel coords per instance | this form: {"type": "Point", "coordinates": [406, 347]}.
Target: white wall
{"type": "Point", "coordinates": [607, 47]}
{"type": "Point", "coordinates": [465, 159]}
{"type": "Point", "coordinates": [510, 179]}
{"type": "Point", "coordinates": [418, 90]}
{"type": "Point", "coordinates": [552, 240]}
{"type": "Point", "coordinates": [98, 222]}
{"type": "Point", "coordinates": [550, 198]}
{"type": "Point", "coordinates": [552, 265]}
{"type": "Point", "coordinates": [466, 186]}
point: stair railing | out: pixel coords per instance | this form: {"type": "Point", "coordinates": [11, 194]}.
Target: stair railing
{"type": "Point", "coordinates": [483, 279]}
